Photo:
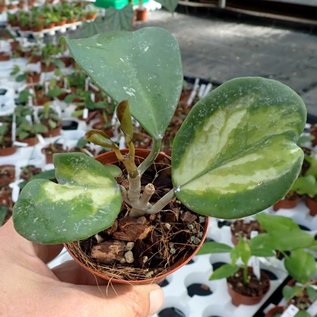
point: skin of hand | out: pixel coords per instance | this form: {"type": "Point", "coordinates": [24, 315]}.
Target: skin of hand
{"type": "Point", "coordinates": [29, 288]}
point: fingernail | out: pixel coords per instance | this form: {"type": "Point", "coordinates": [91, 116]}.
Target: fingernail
{"type": "Point", "coordinates": [156, 300]}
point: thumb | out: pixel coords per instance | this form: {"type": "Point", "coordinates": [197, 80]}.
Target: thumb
{"type": "Point", "coordinates": [122, 300]}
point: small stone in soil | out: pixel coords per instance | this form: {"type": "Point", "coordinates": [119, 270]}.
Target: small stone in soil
{"type": "Point", "coordinates": [129, 257]}
{"type": "Point", "coordinates": [129, 246]}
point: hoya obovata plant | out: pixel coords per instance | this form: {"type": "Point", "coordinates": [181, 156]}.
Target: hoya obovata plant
{"type": "Point", "coordinates": [234, 155]}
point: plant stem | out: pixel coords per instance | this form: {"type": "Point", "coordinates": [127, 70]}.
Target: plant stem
{"type": "Point", "coordinates": [134, 188]}
{"type": "Point", "coordinates": [140, 206]}
{"type": "Point", "coordinates": [160, 204]}
{"type": "Point", "coordinates": [156, 147]}
{"type": "Point", "coordinates": [245, 275]}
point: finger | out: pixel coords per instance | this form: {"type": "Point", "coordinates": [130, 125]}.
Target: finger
{"type": "Point", "coordinates": [47, 252]}
{"type": "Point", "coordinates": [71, 272]}
{"type": "Point", "coordinates": [121, 300]}
{"type": "Point", "coordinates": [11, 239]}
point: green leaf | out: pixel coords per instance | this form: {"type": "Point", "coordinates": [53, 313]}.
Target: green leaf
{"type": "Point", "coordinates": [86, 201]}
{"type": "Point", "coordinates": [273, 223]}
{"type": "Point", "coordinates": [20, 78]}
{"type": "Point", "coordinates": [262, 245]}
{"type": "Point", "coordinates": [3, 213]}
{"type": "Point", "coordinates": [124, 117]}
{"type": "Point", "coordinates": [302, 313]}
{"type": "Point", "coordinates": [100, 138]}
{"type": "Point", "coordinates": [243, 251]}
{"type": "Point", "coordinates": [143, 67]}
{"type": "Point", "coordinates": [312, 170]}
{"type": "Point", "coordinates": [312, 293]}
{"type": "Point", "coordinates": [291, 291]}
{"type": "Point", "coordinates": [224, 271]}
{"type": "Point", "coordinates": [300, 265]}
{"type": "Point", "coordinates": [306, 185]}
{"type": "Point", "coordinates": [236, 152]}
{"type": "Point", "coordinates": [118, 20]}
{"type": "Point", "coordinates": [214, 247]}
{"type": "Point", "coordinates": [170, 5]}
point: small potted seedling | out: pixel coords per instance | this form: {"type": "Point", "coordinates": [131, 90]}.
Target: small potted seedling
{"type": "Point", "coordinates": [6, 144]}
{"type": "Point", "coordinates": [134, 216]}
{"type": "Point", "coordinates": [281, 236]}
{"type": "Point", "coordinates": [246, 286]}
{"type": "Point", "coordinates": [306, 184]}
{"type": "Point", "coordinates": [297, 246]}
{"type": "Point", "coordinates": [50, 118]}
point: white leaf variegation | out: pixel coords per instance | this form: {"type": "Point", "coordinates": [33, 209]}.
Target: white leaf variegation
{"type": "Point", "coordinates": [236, 153]}
{"type": "Point", "coordinates": [85, 201]}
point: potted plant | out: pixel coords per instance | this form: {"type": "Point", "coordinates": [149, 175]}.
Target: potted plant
{"type": "Point", "coordinates": [49, 117]}
{"type": "Point", "coordinates": [28, 171]}
{"type": "Point", "coordinates": [52, 148]}
{"type": "Point", "coordinates": [7, 174]}
{"type": "Point", "coordinates": [221, 162]}
{"type": "Point", "coordinates": [26, 127]}
{"type": "Point", "coordinates": [244, 286]}
{"type": "Point", "coordinates": [6, 144]}
{"type": "Point", "coordinates": [141, 12]}
{"type": "Point", "coordinates": [297, 247]}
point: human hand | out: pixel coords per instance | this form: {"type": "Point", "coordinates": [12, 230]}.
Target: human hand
{"type": "Point", "coordinates": [29, 288]}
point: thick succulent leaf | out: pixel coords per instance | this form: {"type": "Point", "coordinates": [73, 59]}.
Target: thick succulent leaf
{"type": "Point", "coordinates": [119, 19]}
{"type": "Point", "coordinates": [143, 67]}
{"type": "Point", "coordinates": [170, 5]}
{"type": "Point", "coordinates": [236, 152]}
{"type": "Point", "coordinates": [86, 201]}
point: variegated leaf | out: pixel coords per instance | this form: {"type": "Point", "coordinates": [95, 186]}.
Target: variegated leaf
{"type": "Point", "coordinates": [236, 152]}
{"type": "Point", "coordinates": [86, 201]}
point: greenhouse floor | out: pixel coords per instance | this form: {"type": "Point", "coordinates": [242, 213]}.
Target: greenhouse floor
{"type": "Point", "coordinates": [217, 50]}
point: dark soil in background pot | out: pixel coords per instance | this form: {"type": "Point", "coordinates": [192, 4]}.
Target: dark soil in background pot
{"type": "Point", "coordinates": [144, 247]}
{"type": "Point", "coordinates": [254, 288]}
{"type": "Point", "coordinates": [241, 228]}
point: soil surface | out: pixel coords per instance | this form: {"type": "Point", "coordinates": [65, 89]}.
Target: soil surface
{"type": "Point", "coordinates": [241, 228]}
{"type": "Point", "coordinates": [254, 288]}
{"type": "Point", "coordinates": [147, 246]}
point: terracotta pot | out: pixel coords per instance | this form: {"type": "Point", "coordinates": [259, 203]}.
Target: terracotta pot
{"type": "Point", "coordinates": [241, 299]}
{"type": "Point", "coordinates": [110, 158]}
{"type": "Point", "coordinates": [90, 16]}
{"type": "Point", "coordinates": [8, 150]}
{"type": "Point", "coordinates": [37, 28]}
{"type": "Point", "coordinates": [33, 78]}
{"type": "Point", "coordinates": [4, 57]}
{"type": "Point", "coordinates": [53, 132]}
{"type": "Point", "coordinates": [311, 203]}
{"type": "Point", "coordinates": [67, 60]}
{"type": "Point", "coordinates": [6, 196]}
{"type": "Point", "coordinates": [35, 59]}
{"type": "Point", "coordinates": [48, 152]}
{"type": "Point", "coordinates": [286, 203]}
{"type": "Point", "coordinates": [7, 174]}
{"type": "Point", "coordinates": [47, 68]}
{"type": "Point", "coordinates": [2, 8]}
{"type": "Point", "coordinates": [30, 141]}
{"type": "Point", "coordinates": [275, 310]}
{"type": "Point", "coordinates": [141, 14]}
